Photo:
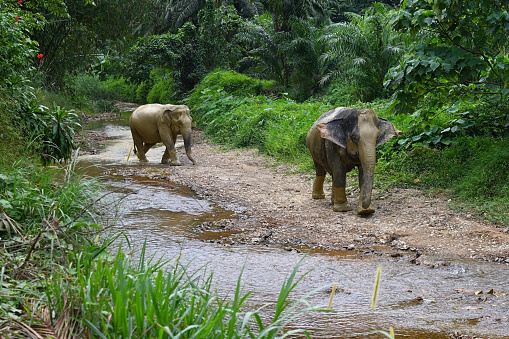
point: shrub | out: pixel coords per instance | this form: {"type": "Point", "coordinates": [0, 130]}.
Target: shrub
{"type": "Point", "coordinates": [229, 82]}
{"type": "Point", "coordinates": [53, 132]}
{"type": "Point", "coordinates": [474, 169]}
{"type": "Point", "coordinates": [87, 86]}
{"type": "Point", "coordinates": [120, 89]}
{"type": "Point", "coordinates": [13, 140]}
{"type": "Point", "coordinates": [162, 90]}
{"type": "Point", "coordinates": [142, 92]}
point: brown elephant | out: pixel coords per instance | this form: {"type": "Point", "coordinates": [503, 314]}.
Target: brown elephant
{"type": "Point", "coordinates": [340, 140]}
{"type": "Point", "coordinates": [155, 123]}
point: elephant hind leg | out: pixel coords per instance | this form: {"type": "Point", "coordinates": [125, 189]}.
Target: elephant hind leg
{"type": "Point", "coordinates": [147, 146]}
{"type": "Point", "coordinates": [318, 183]}
{"type": "Point", "coordinates": [138, 146]}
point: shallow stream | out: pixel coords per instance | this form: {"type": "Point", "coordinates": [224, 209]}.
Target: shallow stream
{"type": "Point", "coordinates": [418, 301]}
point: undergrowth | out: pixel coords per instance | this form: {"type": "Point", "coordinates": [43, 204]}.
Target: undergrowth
{"type": "Point", "coordinates": [454, 151]}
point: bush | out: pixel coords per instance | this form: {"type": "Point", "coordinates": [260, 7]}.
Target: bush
{"type": "Point", "coordinates": [120, 89]}
{"type": "Point", "coordinates": [162, 90]}
{"type": "Point", "coordinates": [229, 82]}
{"type": "Point", "coordinates": [13, 140]}
{"type": "Point", "coordinates": [475, 170]}
{"type": "Point", "coordinates": [55, 130]}
{"type": "Point", "coordinates": [88, 86]}
{"type": "Point", "coordinates": [340, 93]}
{"type": "Point", "coordinates": [142, 92]}
{"type": "Point", "coordinates": [276, 127]}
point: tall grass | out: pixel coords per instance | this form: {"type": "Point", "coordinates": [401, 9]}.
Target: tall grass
{"type": "Point", "coordinates": [119, 299]}
{"type": "Point", "coordinates": [46, 218]}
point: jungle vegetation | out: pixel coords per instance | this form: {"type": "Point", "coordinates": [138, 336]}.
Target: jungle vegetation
{"type": "Point", "coordinates": [255, 74]}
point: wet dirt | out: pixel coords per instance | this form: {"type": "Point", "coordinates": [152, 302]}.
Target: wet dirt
{"type": "Point", "coordinates": [250, 212]}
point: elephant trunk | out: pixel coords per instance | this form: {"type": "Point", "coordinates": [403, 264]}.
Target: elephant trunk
{"type": "Point", "coordinates": [368, 161]}
{"type": "Point", "coordinates": [187, 145]}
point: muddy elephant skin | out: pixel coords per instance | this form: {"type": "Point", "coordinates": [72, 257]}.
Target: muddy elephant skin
{"type": "Point", "coordinates": [154, 123]}
{"type": "Point", "coordinates": [340, 140]}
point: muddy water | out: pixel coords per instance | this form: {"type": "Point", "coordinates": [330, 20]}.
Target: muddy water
{"type": "Point", "coordinates": [418, 301]}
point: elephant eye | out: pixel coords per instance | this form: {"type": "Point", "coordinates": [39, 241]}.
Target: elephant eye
{"type": "Point", "coordinates": [355, 137]}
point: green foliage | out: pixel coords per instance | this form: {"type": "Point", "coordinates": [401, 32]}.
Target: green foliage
{"type": "Point", "coordinates": [54, 131]}
{"type": "Point", "coordinates": [217, 28]}
{"type": "Point", "coordinates": [339, 9]}
{"type": "Point", "coordinates": [120, 89]}
{"type": "Point", "coordinates": [304, 49]}
{"type": "Point", "coordinates": [119, 299]}
{"type": "Point", "coordinates": [142, 92]}
{"type": "Point", "coordinates": [162, 90]}
{"type": "Point", "coordinates": [263, 57]}
{"type": "Point", "coordinates": [12, 132]}
{"type": "Point", "coordinates": [231, 82]}
{"type": "Point", "coordinates": [17, 51]}
{"type": "Point", "coordinates": [276, 127]}
{"type": "Point", "coordinates": [463, 54]}
{"type": "Point", "coordinates": [362, 51]}
{"type": "Point", "coordinates": [30, 195]}
{"type": "Point", "coordinates": [442, 126]}
{"type": "Point", "coordinates": [87, 86]}
{"type": "Point", "coordinates": [43, 214]}
{"type": "Point", "coordinates": [339, 93]}
{"type": "Point", "coordinates": [475, 169]}
{"type": "Point", "coordinates": [181, 52]}
{"type": "Point", "coordinates": [88, 34]}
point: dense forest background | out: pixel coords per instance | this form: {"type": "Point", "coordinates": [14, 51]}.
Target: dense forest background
{"type": "Point", "coordinates": [254, 73]}
{"type": "Point", "coordinates": [438, 69]}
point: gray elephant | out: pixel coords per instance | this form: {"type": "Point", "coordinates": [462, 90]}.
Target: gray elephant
{"type": "Point", "coordinates": [154, 123]}
{"type": "Point", "coordinates": [340, 140]}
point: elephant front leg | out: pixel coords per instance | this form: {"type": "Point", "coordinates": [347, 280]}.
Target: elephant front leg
{"type": "Point", "coordinates": [171, 157]}
{"type": "Point", "coordinates": [170, 154]}
{"type": "Point", "coordinates": [339, 200]}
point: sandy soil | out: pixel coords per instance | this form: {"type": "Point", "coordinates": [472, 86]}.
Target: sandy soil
{"type": "Point", "coordinates": [274, 205]}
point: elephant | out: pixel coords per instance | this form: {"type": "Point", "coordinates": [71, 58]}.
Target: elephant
{"type": "Point", "coordinates": [154, 123]}
{"type": "Point", "coordinates": [340, 140]}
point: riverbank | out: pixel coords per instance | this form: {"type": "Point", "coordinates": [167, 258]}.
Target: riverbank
{"type": "Point", "coordinates": [273, 205]}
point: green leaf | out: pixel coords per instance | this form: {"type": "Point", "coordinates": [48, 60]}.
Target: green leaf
{"type": "Point", "coordinates": [5, 204]}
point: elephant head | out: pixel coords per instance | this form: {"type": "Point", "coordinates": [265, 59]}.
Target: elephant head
{"type": "Point", "coordinates": [357, 132]}
{"type": "Point", "coordinates": [178, 117]}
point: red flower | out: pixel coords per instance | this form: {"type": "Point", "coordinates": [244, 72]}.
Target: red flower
{"type": "Point", "coordinates": [39, 55]}
{"type": "Point", "coordinates": [20, 1]}
{"type": "Point", "coordinates": [17, 18]}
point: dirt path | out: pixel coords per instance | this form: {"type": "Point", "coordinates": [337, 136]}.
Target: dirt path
{"type": "Point", "coordinates": [274, 206]}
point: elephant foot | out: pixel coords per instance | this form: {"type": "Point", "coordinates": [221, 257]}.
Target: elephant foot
{"type": "Point", "coordinates": [316, 195]}
{"type": "Point", "coordinates": [344, 207]}
{"type": "Point", "coordinates": [143, 160]}
{"type": "Point", "coordinates": [175, 163]}
{"type": "Point", "coordinates": [365, 211]}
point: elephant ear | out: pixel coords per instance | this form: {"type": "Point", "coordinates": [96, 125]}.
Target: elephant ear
{"type": "Point", "coordinates": [173, 113]}
{"type": "Point", "coordinates": [386, 131]}
{"type": "Point", "coordinates": [333, 131]}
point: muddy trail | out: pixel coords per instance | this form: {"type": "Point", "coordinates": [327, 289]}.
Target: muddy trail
{"type": "Point", "coordinates": [445, 274]}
